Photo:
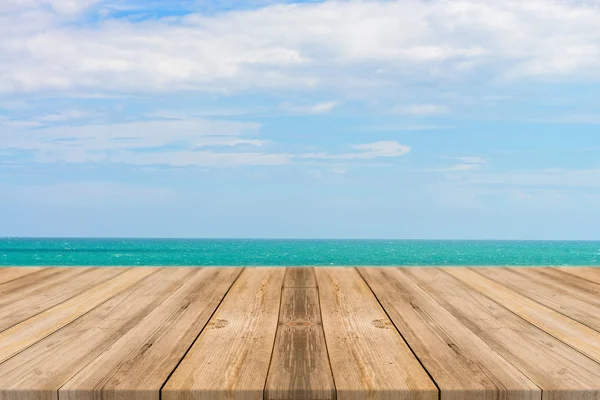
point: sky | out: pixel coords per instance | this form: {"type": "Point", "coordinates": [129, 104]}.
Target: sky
{"type": "Point", "coordinates": [411, 119]}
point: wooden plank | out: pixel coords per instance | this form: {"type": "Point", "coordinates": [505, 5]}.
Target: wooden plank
{"type": "Point", "coordinates": [39, 371]}
{"type": "Point", "coordinates": [142, 359]}
{"type": "Point", "coordinates": [541, 288]}
{"type": "Point", "coordinates": [560, 371]}
{"type": "Point", "coordinates": [573, 333]}
{"type": "Point", "coordinates": [22, 287]}
{"type": "Point", "coordinates": [20, 308]}
{"type": "Point", "coordinates": [369, 358]}
{"type": "Point", "coordinates": [231, 357]}
{"type": "Point", "coordinates": [11, 273]}
{"type": "Point", "coordinates": [302, 277]}
{"type": "Point", "coordinates": [580, 287]}
{"type": "Point", "coordinates": [463, 366]}
{"type": "Point", "coordinates": [592, 274]}
{"type": "Point", "coordinates": [300, 365]}
{"type": "Point", "coordinates": [30, 331]}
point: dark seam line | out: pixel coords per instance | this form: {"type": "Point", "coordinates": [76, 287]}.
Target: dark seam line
{"type": "Point", "coordinates": [200, 333]}
{"type": "Point", "coordinates": [401, 335]}
{"type": "Point", "coordinates": [276, 334]}
{"type": "Point", "coordinates": [82, 315]}
{"type": "Point", "coordinates": [325, 337]}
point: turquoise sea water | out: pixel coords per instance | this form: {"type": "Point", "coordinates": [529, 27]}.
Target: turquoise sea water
{"type": "Point", "coordinates": [18, 251]}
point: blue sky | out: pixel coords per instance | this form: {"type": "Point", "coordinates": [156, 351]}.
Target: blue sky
{"type": "Point", "coordinates": [311, 119]}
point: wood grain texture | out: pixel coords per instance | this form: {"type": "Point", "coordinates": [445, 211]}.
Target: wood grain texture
{"type": "Point", "coordinates": [21, 288]}
{"type": "Point", "coordinates": [577, 286]}
{"type": "Point", "coordinates": [230, 359]}
{"type": "Point", "coordinates": [369, 358]}
{"type": "Point", "coordinates": [116, 334]}
{"type": "Point", "coordinates": [55, 291]}
{"type": "Point", "coordinates": [571, 332]}
{"type": "Point", "coordinates": [541, 288]}
{"type": "Point", "coordinates": [38, 372]}
{"type": "Point", "coordinates": [591, 274]}
{"type": "Point", "coordinates": [30, 331]}
{"type": "Point", "coordinates": [303, 277]}
{"type": "Point", "coordinates": [562, 372]}
{"type": "Point", "coordinates": [139, 363]}
{"type": "Point", "coordinates": [300, 364]}
{"type": "Point", "coordinates": [10, 273]}
{"type": "Point", "coordinates": [463, 366]}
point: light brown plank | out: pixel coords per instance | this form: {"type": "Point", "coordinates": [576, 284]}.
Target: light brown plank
{"type": "Point", "coordinates": [10, 273]}
{"type": "Point", "coordinates": [580, 287]}
{"type": "Point", "coordinates": [543, 289]}
{"type": "Point", "coordinates": [302, 277]}
{"type": "Point", "coordinates": [18, 288]}
{"type": "Point", "coordinates": [230, 359]}
{"type": "Point", "coordinates": [369, 359]}
{"type": "Point", "coordinates": [28, 332]}
{"type": "Point", "coordinates": [560, 371]}
{"type": "Point", "coordinates": [463, 366]}
{"type": "Point", "coordinates": [592, 274]}
{"type": "Point", "coordinates": [39, 371]}
{"type": "Point", "coordinates": [573, 333]}
{"type": "Point", "coordinates": [20, 308]}
{"type": "Point", "coordinates": [142, 359]}
{"type": "Point", "coordinates": [300, 365]}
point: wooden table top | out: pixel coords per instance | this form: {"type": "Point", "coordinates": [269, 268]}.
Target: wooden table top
{"type": "Point", "coordinates": [177, 333]}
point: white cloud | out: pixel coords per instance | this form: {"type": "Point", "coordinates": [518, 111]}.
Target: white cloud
{"type": "Point", "coordinates": [92, 192]}
{"type": "Point", "coordinates": [422, 109]}
{"type": "Point", "coordinates": [68, 7]}
{"type": "Point", "coordinates": [366, 151]}
{"type": "Point", "coordinates": [458, 167]}
{"type": "Point", "coordinates": [66, 115]}
{"type": "Point", "coordinates": [472, 160]}
{"type": "Point", "coordinates": [318, 108]}
{"type": "Point", "coordinates": [465, 164]}
{"type": "Point", "coordinates": [172, 142]}
{"type": "Point", "coordinates": [547, 178]}
{"type": "Point", "coordinates": [201, 158]}
{"type": "Point", "coordinates": [337, 44]}
{"type": "Point", "coordinates": [176, 143]}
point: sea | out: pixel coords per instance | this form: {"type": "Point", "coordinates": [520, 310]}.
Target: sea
{"type": "Point", "coordinates": [288, 252]}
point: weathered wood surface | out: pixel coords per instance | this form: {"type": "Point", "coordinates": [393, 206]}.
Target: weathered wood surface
{"type": "Point", "coordinates": [300, 366]}
{"type": "Point", "coordinates": [579, 305]}
{"type": "Point", "coordinates": [591, 274]}
{"type": "Point", "coordinates": [230, 359]}
{"type": "Point", "coordinates": [369, 358]}
{"type": "Point", "coordinates": [461, 363]}
{"type": "Point", "coordinates": [559, 370]}
{"type": "Point", "coordinates": [299, 333]}
{"type": "Point", "coordinates": [9, 274]}
{"type": "Point", "coordinates": [39, 371]}
{"type": "Point", "coordinates": [569, 331]}
{"type": "Point", "coordinates": [142, 359]}
{"type": "Point", "coordinates": [34, 329]}
{"type": "Point", "coordinates": [20, 306]}
{"type": "Point", "coordinates": [15, 289]}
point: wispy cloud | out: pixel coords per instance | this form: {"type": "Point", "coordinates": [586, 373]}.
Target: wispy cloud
{"type": "Point", "coordinates": [472, 160]}
{"type": "Point", "coordinates": [66, 115]}
{"type": "Point", "coordinates": [366, 151]}
{"type": "Point", "coordinates": [131, 142]}
{"type": "Point", "coordinates": [464, 164]}
{"type": "Point", "coordinates": [318, 108]}
{"type": "Point", "coordinates": [404, 128]}
{"type": "Point", "coordinates": [177, 143]}
{"type": "Point", "coordinates": [422, 109]}
{"type": "Point", "coordinates": [541, 178]}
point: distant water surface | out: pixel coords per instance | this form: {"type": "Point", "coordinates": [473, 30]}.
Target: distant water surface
{"type": "Point", "coordinates": [105, 252]}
